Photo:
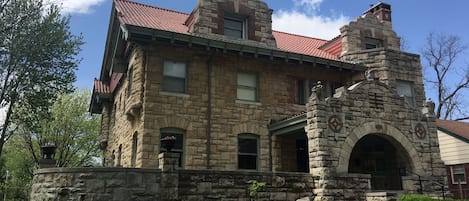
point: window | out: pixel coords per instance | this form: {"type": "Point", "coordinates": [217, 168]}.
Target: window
{"type": "Point", "coordinates": [129, 81]}
{"type": "Point", "coordinates": [235, 27]}
{"type": "Point", "coordinates": [405, 89]}
{"type": "Point", "coordinates": [458, 174]}
{"type": "Point", "coordinates": [133, 162]}
{"type": "Point", "coordinates": [178, 146]}
{"type": "Point", "coordinates": [247, 87]}
{"type": "Point", "coordinates": [119, 157]}
{"type": "Point", "coordinates": [248, 152]}
{"type": "Point", "coordinates": [174, 77]}
{"type": "Point", "coordinates": [372, 43]}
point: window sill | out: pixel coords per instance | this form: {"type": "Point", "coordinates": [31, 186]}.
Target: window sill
{"type": "Point", "coordinates": [248, 102]}
{"type": "Point", "coordinates": [183, 95]}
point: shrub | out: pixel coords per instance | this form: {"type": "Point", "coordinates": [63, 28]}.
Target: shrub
{"type": "Point", "coordinates": [421, 198]}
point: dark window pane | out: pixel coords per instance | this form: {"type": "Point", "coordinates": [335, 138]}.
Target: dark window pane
{"type": "Point", "coordinates": [233, 24]}
{"type": "Point", "coordinates": [246, 145]}
{"type": "Point", "coordinates": [173, 84]}
{"type": "Point", "coordinates": [301, 92]}
{"type": "Point", "coordinates": [233, 33]}
{"type": "Point", "coordinates": [247, 162]}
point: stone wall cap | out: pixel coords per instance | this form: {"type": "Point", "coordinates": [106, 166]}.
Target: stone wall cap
{"type": "Point", "coordinates": [93, 169]}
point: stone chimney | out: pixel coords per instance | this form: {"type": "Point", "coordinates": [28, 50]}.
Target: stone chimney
{"type": "Point", "coordinates": [380, 10]}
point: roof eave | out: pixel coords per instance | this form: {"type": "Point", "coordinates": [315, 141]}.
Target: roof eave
{"type": "Point", "coordinates": [152, 34]}
{"type": "Point", "coordinates": [459, 137]}
{"type": "Point", "coordinates": [289, 125]}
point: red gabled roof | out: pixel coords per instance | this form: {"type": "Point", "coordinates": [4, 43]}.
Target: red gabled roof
{"type": "Point", "coordinates": [137, 14]}
{"type": "Point", "coordinates": [461, 129]}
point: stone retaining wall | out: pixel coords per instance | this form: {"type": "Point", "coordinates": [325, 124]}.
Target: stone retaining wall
{"type": "Point", "coordinates": [124, 184]}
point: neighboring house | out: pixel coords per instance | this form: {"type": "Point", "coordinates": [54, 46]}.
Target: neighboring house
{"type": "Point", "coordinates": [337, 119]}
{"type": "Point", "coordinates": [453, 137]}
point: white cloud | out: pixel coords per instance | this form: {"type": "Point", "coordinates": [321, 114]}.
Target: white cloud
{"type": "Point", "coordinates": [76, 6]}
{"type": "Point", "coordinates": [304, 20]}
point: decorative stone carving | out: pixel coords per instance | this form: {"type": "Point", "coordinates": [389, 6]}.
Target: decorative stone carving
{"type": "Point", "coordinates": [318, 90]}
{"type": "Point", "coordinates": [420, 131]}
{"type": "Point", "coordinates": [335, 124]}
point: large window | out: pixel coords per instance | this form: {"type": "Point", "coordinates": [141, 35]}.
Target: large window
{"type": "Point", "coordinates": [247, 87]}
{"type": "Point", "coordinates": [458, 174]}
{"type": "Point", "coordinates": [248, 146]}
{"type": "Point", "coordinates": [178, 146]}
{"type": "Point", "coordinates": [406, 89]}
{"type": "Point", "coordinates": [235, 27]}
{"type": "Point", "coordinates": [174, 76]}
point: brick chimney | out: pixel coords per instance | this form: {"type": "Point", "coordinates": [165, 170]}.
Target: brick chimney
{"type": "Point", "coordinates": [380, 10]}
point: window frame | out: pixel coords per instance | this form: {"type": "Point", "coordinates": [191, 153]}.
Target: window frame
{"type": "Point", "coordinates": [239, 153]}
{"type": "Point", "coordinates": [175, 131]}
{"type": "Point", "coordinates": [458, 173]}
{"type": "Point", "coordinates": [238, 18]}
{"type": "Point", "coordinates": [245, 87]}
{"type": "Point", "coordinates": [133, 159]}
{"type": "Point", "coordinates": [164, 87]}
{"type": "Point", "coordinates": [412, 91]}
{"type": "Point", "coordinates": [130, 79]}
{"type": "Point", "coordinates": [376, 43]}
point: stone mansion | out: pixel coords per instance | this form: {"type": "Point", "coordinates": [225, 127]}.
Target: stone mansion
{"type": "Point", "coordinates": [340, 119]}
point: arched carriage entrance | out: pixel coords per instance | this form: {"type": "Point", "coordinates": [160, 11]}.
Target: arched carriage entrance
{"type": "Point", "coordinates": [383, 158]}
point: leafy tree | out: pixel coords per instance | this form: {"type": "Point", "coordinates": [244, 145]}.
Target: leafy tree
{"type": "Point", "coordinates": [448, 76]}
{"type": "Point", "coordinates": [72, 129]}
{"type": "Point", "coordinates": [37, 62]}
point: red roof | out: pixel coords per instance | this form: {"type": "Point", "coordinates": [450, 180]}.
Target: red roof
{"type": "Point", "coordinates": [458, 128]}
{"type": "Point", "coordinates": [100, 87]}
{"type": "Point", "coordinates": [137, 14]}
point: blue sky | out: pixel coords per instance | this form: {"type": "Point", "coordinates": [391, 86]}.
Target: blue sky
{"type": "Point", "coordinates": [412, 20]}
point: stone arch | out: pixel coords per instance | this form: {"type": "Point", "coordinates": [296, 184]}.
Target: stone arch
{"type": "Point", "coordinates": [378, 128]}
{"type": "Point", "coordinates": [173, 122]}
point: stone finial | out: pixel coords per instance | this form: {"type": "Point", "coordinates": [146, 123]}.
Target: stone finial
{"type": "Point", "coordinates": [318, 90]}
{"type": "Point", "coordinates": [429, 108]}
{"type": "Point", "coordinates": [369, 74]}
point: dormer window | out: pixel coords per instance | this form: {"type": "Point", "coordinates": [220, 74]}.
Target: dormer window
{"type": "Point", "coordinates": [373, 43]}
{"type": "Point", "coordinates": [235, 26]}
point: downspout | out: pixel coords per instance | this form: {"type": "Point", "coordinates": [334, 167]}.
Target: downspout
{"type": "Point", "coordinates": [209, 109]}
{"type": "Point", "coordinates": [270, 152]}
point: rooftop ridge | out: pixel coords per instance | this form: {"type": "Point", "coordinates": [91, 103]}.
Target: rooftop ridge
{"type": "Point", "coordinates": [303, 36]}
{"type": "Point", "coordinates": [151, 6]}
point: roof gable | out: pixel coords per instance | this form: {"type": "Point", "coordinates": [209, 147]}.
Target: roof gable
{"type": "Point", "coordinates": [456, 129]}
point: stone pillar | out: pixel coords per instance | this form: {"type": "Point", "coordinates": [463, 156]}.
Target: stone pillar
{"type": "Point", "coordinates": [168, 163]}
{"type": "Point", "coordinates": [319, 153]}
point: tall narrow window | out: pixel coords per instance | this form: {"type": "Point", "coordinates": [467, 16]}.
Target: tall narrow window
{"type": "Point", "coordinates": [248, 146]}
{"type": "Point", "coordinates": [130, 80]}
{"type": "Point", "coordinates": [119, 157]}
{"type": "Point", "coordinates": [178, 146]}
{"type": "Point", "coordinates": [458, 174]}
{"type": "Point", "coordinates": [405, 89]}
{"type": "Point", "coordinates": [235, 27]}
{"type": "Point", "coordinates": [174, 77]}
{"type": "Point", "coordinates": [247, 87]}
{"type": "Point", "coordinates": [133, 162]}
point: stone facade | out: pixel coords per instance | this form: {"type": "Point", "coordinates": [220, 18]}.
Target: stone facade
{"type": "Point", "coordinates": [360, 132]}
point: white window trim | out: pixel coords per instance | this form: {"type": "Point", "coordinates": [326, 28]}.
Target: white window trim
{"type": "Point", "coordinates": [244, 22]}
{"type": "Point", "coordinates": [169, 76]}
{"type": "Point", "coordinates": [452, 175]}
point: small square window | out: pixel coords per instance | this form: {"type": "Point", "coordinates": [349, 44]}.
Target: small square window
{"type": "Point", "coordinates": [406, 89]}
{"type": "Point", "coordinates": [373, 43]}
{"type": "Point", "coordinates": [130, 81]}
{"type": "Point", "coordinates": [174, 77]}
{"type": "Point", "coordinates": [247, 152]}
{"type": "Point", "coordinates": [247, 87]}
{"type": "Point", "coordinates": [235, 27]}
{"type": "Point", "coordinates": [458, 174]}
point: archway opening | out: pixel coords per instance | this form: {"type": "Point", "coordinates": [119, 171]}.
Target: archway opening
{"type": "Point", "coordinates": [382, 158]}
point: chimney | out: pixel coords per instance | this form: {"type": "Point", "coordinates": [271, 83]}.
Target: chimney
{"type": "Point", "coordinates": [381, 10]}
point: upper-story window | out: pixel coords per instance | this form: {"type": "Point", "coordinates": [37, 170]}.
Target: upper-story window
{"type": "Point", "coordinates": [406, 89]}
{"type": "Point", "coordinates": [235, 26]}
{"type": "Point", "coordinates": [130, 80]}
{"type": "Point", "coordinates": [174, 77]}
{"type": "Point", "coordinates": [372, 43]}
{"type": "Point", "coordinates": [247, 87]}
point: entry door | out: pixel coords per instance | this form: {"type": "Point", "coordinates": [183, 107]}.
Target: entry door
{"type": "Point", "coordinates": [302, 157]}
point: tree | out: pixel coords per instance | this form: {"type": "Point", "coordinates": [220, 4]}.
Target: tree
{"type": "Point", "coordinates": [71, 128]}
{"type": "Point", "coordinates": [448, 76]}
{"type": "Point", "coordinates": [37, 62]}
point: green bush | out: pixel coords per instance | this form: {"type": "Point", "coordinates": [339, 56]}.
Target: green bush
{"type": "Point", "coordinates": [421, 198]}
